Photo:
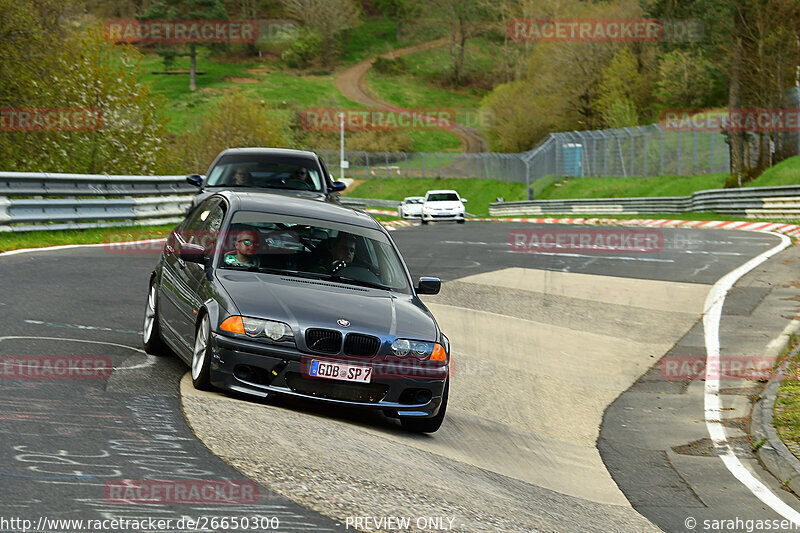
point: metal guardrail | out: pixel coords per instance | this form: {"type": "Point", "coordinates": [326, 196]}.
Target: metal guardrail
{"type": "Point", "coordinates": [361, 203]}
{"type": "Point", "coordinates": [77, 201]}
{"type": "Point", "coordinates": [50, 202]}
{"type": "Point", "coordinates": [755, 202]}
{"type": "Point", "coordinates": [80, 213]}
{"type": "Point", "coordinates": [47, 184]}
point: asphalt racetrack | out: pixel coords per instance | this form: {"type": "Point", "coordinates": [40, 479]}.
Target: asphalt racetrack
{"type": "Point", "coordinates": [553, 422]}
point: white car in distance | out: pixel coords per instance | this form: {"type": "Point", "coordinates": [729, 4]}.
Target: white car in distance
{"type": "Point", "coordinates": [411, 207]}
{"type": "Point", "coordinates": [443, 205]}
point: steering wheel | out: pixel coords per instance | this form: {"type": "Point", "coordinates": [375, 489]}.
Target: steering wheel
{"type": "Point", "coordinates": [296, 184]}
{"type": "Point", "coordinates": [337, 266]}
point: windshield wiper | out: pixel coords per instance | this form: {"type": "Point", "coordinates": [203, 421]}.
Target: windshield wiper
{"type": "Point", "coordinates": [353, 281]}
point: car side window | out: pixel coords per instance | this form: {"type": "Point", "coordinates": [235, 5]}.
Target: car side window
{"type": "Point", "coordinates": [202, 226]}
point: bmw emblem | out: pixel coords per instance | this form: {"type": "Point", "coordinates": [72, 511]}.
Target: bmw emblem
{"type": "Point", "coordinates": [344, 323]}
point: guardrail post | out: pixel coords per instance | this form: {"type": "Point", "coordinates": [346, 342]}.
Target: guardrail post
{"type": "Point", "coordinates": [557, 155]}
{"type": "Point", "coordinates": [528, 191]}
{"type": "Point", "coordinates": [661, 167]}
{"type": "Point", "coordinates": [711, 162]}
{"type": "Point", "coordinates": [644, 157]}
{"type": "Point", "coordinates": [633, 150]}
{"type": "Point", "coordinates": [605, 153]}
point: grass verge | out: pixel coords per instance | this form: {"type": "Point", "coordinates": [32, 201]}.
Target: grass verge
{"type": "Point", "coordinates": [787, 172]}
{"type": "Point", "coordinates": [630, 187]}
{"type": "Point", "coordinates": [787, 405]}
{"type": "Point", "coordinates": [38, 239]}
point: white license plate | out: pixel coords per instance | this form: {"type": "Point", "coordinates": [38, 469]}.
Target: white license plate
{"type": "Point", "coordinates": [340, 371]}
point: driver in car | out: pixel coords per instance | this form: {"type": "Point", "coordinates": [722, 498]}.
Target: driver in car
{"type": "Point", "coordinates": [246, 245]}
{"type": "Point", "coordinates": [301, 179]}
{"type": "Point", "coordinates": [342, 254]}
{"type": "Point", "coordinates": [344, 249]}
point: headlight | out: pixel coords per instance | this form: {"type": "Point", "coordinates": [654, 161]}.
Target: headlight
{"type": "Point", "coordinates": [418, 349]}
{"type": "Point", "coordinates": [258, 327]}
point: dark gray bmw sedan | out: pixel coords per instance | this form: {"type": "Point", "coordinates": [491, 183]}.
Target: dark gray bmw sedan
{"type": "Point", "coordinates": [265, 293]}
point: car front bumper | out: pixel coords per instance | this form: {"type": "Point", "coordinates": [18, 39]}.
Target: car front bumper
{"type": "Point", "coordinates": [259, 369]}
{"type": "Point", "coordinates": [442, 216]}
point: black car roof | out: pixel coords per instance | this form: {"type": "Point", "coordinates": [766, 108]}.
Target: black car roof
{"type": "Point", "coordinates": [287, 204]}
{"type": "Point", "coordinates": [272, 151]}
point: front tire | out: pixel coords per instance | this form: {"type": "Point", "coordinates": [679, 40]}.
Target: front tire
{"type": "Point", "coordinates": [429, 425]}
{"type": "Point", "coordinates": [151, 332]}
{"type": "Point", "coordinates": [424, 222]}
{"type": "Point", "coordinates": [201, 355]}
{"type": "Point", "coordinates": [461, 221]}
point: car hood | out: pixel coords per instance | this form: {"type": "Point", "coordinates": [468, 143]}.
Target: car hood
{"type": "Point", "coordinates": [309, 195]}
{"type": "Point", "coordinates": [304, 303]}
{"type": "Point", "coordinates": [444, 205]}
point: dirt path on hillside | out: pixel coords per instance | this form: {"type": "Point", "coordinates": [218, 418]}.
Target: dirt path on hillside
{"type": "Point", "coordinates": [352, 82]}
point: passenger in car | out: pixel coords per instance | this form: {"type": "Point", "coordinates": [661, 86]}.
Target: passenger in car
{"type": "Point", "coordinates": [246, 248]}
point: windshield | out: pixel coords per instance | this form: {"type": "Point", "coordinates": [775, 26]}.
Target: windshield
{"type": "Point", "coordinates": [442, 197]}
{"type": "Point", "coordinates": [266, 170]}
{"type": "Point", "coordinates": [414, 201]}
{"type": "Point", "coordinates": [311, 248]}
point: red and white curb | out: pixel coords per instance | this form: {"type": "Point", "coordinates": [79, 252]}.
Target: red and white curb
{"type": "Point", "coordinates": [787, 229]}
{"type": "Point", "coordinates": [381, 211]}
{"type": "Point", "coordinates": [392, 224]}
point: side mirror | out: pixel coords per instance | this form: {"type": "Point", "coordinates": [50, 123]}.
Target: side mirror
{"type": "Point", "coordinates": [195, 179]}
{"type": "Point", "coordinates": [338, 186]}
{"type": "Point", "coordinates": [463, 200]}
{"type": "Point", "coordinates": [194, 253]}
{"type": "Point", "coordinates": [429, 286]}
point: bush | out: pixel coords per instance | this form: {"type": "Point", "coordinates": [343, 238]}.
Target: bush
{"type": "Point", "coordinates": [304, 50]}
{"type": "Point", "coordinates": [370, 141]}
{"type": "Point", "coordinates": [395, 66]}
{"type": "Point", "coordinates": [236, 122]}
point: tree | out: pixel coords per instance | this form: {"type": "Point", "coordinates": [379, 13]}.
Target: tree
{"type": "Point", "coordinates": [465, 19]}
{"type": "Point", "coordinates": [186, 10]}
{"type": "Point", "coordinates": [236, 121]}
{"type": "Point", "coordinates": [31, 33]}
{"type": "Point", "coordinates": [87, 72]}
{"type": "Point", "coordinates": [685, 80]}
{"type": "Point", "coordinates": [754, 42]}
{"type": "Point", "coordinates": [326, 18]}
{"type": "Point", "coordinates": [619, 90]}
{"type": "Point", "coordinates": [398, 10]}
